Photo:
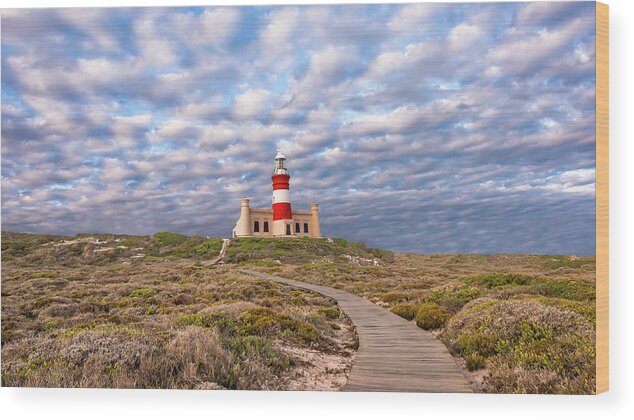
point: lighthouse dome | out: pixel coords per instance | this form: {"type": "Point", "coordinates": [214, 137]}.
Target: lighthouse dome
{"type": "Point", "coordinates": [279, 155]}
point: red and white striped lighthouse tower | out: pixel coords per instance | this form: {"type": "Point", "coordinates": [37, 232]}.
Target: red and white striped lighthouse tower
{"type": "Point", "coordinates": [282, 213]}
{"type": "Point", "coordinates": [279, 221]}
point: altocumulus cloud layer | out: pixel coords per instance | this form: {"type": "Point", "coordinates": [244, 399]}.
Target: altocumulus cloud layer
{"type": "Point", "coordinates": [427, 128]}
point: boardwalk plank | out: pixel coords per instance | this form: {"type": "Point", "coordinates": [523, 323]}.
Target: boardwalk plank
{"type": "Point", "coordinates": [393, 354]}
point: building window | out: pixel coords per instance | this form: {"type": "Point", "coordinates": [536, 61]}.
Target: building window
{"type": "Point", "coordinates": [288, 229]}
{"type": "Point", "coordinates": [305, 227]}
{"type": "Point", "coordinates": [266, 227]}
{"type": "Point", "coordinates": [297, 228]}
{"type": "Point", "coordinates": [256, 226]}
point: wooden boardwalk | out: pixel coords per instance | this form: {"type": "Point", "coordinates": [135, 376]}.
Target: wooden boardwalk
{"type": "Point", "coordinates": [393, 355]}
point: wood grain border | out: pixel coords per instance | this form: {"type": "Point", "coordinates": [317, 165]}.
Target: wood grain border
{"type": "Point", "coordinates": [602, 195]}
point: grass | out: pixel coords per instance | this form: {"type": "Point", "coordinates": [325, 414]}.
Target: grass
{"type": "Point", "coordinates": [298, 250]}
{"type": "Point", "coordinates": [169, 238]}
{"type": "Point", "coordinates": [477, 305]}
{"type": "Point", "coordinates": [266, 322]}
{"type": "Point", "coordinates": [102, 249]}
{"type": "Point", "coordinates": [15, 245]}
{"type": "Point", "coordinates": [165, 324]}
{"type": "Point", "coordinates": [527, 346]}
{"type": "Point", "coordinates": [72, 316]}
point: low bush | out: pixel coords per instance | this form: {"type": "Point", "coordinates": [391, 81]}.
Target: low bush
{"type": "Point", "coordinates": [142, 293]}
{"type": "Point", "coordinates": [568, 289]}
{"type": "Point", "coordinates": [331, 312]}
{"type": "Point", "coordinates": [170, 238]}
{"type": "Point", "coordinates": [491, 281]}
{"type": "Point", "coordinates": [477, 343]}
{"type": "Point", "coordinates": [263, 321]}
{"type": "Point", "coordinates": [431, 316]}
{"type": "Point", "coordinates": [405, 310]}
{"type": "Point", "coordinates": [475, 361]}
{"type": "Point", "coordinates": [260, 349]}
{"type": "Point", "coordinates": [535, 347]}
{"type": "Point", "coordinates": [221, 321]}
{"type": "Point", "coordinates": [452, 298]}
{"type": "Point", "coordinates": [585, 309]}
{"type": "Point", "coordinates": [555, 262]}
{"type": "Point", "coordinates": [210, 248]}
{"type": "Point", "coordinates": [556, 288]}
{"type": "Point", "coordinates": [294, 250]}
{"type": "Point", "coordinates": [393, 297]}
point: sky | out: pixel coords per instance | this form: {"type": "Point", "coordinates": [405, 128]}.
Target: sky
{"type": "Point", "coordinates": [417, 128]}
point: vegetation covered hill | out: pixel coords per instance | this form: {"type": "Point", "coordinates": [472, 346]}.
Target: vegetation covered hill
{"type": "Point", "coordinates": [82, 312]}
{"type": "Point", "coordinates": [515, 323]}
{"type": "Point", "coordinates": [163, 246]}
{"type": "Point", "coordinates": [303, 250]}
{"type": "Point", "coordinates": [105, 248]}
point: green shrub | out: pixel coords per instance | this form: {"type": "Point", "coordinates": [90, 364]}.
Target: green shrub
{"type": "Point", "coordinates": [15, 245]}
{"type": "Point", "coordinates": [331, 312]}
{"type": "Point", "coordinates": [294, 250]}
{"type": "Point", "coordinates": [170, 238]}
{"type": "Point", "coordinates": [224, 323]}
{"type": "Point", "coordinates": [526, 345]}
{"type": "Point", "coordinates": [260, 349]}
{"type": "Point", "coordinates": [405, 310]}
{"type": "Point", "coordinates": [451, 304]}
{"type": "Point", "coordinates": [555, 262]}
{"type": "Point", "coordinates": [568, 289]}
{"type": "Point", "coordinates": [557, 288]}
{"type": "Point", "coordinates": [51, 325]}
{"type": "Point", "coordinates": [477, 343]}
{"type": "Point", "coordinates": [586, 309]}
{"type": "Point", "coordinates": [211, 247]}
{"type": "Point", "coordinates": [431, 316]}
{"type": "Point", "coordinates": [491, 281]}
{"type": "Point", "coordinates": [393, 297]}
{"type": "Point", "coordinates": [261, 263]}
{"type": "Point", "coordinates": [453, 299]}
{"type": "Point", "coordinates": [475, 361]}
{"type": "Point", "coordinates": [262, 321]}
{"type": "Point", "coordinates": [142, 293]}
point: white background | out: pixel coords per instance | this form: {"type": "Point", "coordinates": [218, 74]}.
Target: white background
{"type": "Point", "coordinates": [160, 404]}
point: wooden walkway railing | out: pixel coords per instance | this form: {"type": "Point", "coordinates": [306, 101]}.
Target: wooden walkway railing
{"type": "Point", "coordinates": [393, 355]}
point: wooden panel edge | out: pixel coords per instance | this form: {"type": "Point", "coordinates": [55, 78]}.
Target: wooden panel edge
{"type": "Point", "coordinates": [602, 196]}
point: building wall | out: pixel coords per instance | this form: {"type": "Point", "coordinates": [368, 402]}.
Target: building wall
{"type": "Point", "coordinates": [303, 220]}
{"type": "Point", "coordinates": [264, 218]}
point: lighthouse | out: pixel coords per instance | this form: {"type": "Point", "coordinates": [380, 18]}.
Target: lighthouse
{"type": "Point", "coordinates": [282, 213]}
{"type": "Point", "coordinates": [279, 220]}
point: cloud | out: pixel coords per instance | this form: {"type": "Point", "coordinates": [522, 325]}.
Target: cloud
{"type": "Point", "coordinates": [464, 35]}
{"type": "Point", "coordinates": [277, 34]}
{"type": "Point", "coordinates": [411, 17]}
{"type": "Point", "coordinates": [419, 127]}
{"type": "Point", "coordinates": [213, 27]}
{"type": "Point", "coordinates": [522, 55]}
{"type": "Point", "coordinates": [128, 130]}
{"type": "Point", "coordinates": [251, 103]}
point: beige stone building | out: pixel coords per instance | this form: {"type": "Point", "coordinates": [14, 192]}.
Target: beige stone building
{"type": "Point", "coordinates": [279, 220]}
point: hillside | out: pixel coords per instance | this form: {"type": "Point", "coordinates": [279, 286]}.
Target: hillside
{"type": "Point", "coordinates": [515, 323]}
{"type": "Point", "coordinates": [101, 249]}
{"type": "Point", "coordinates": [144, 312]}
